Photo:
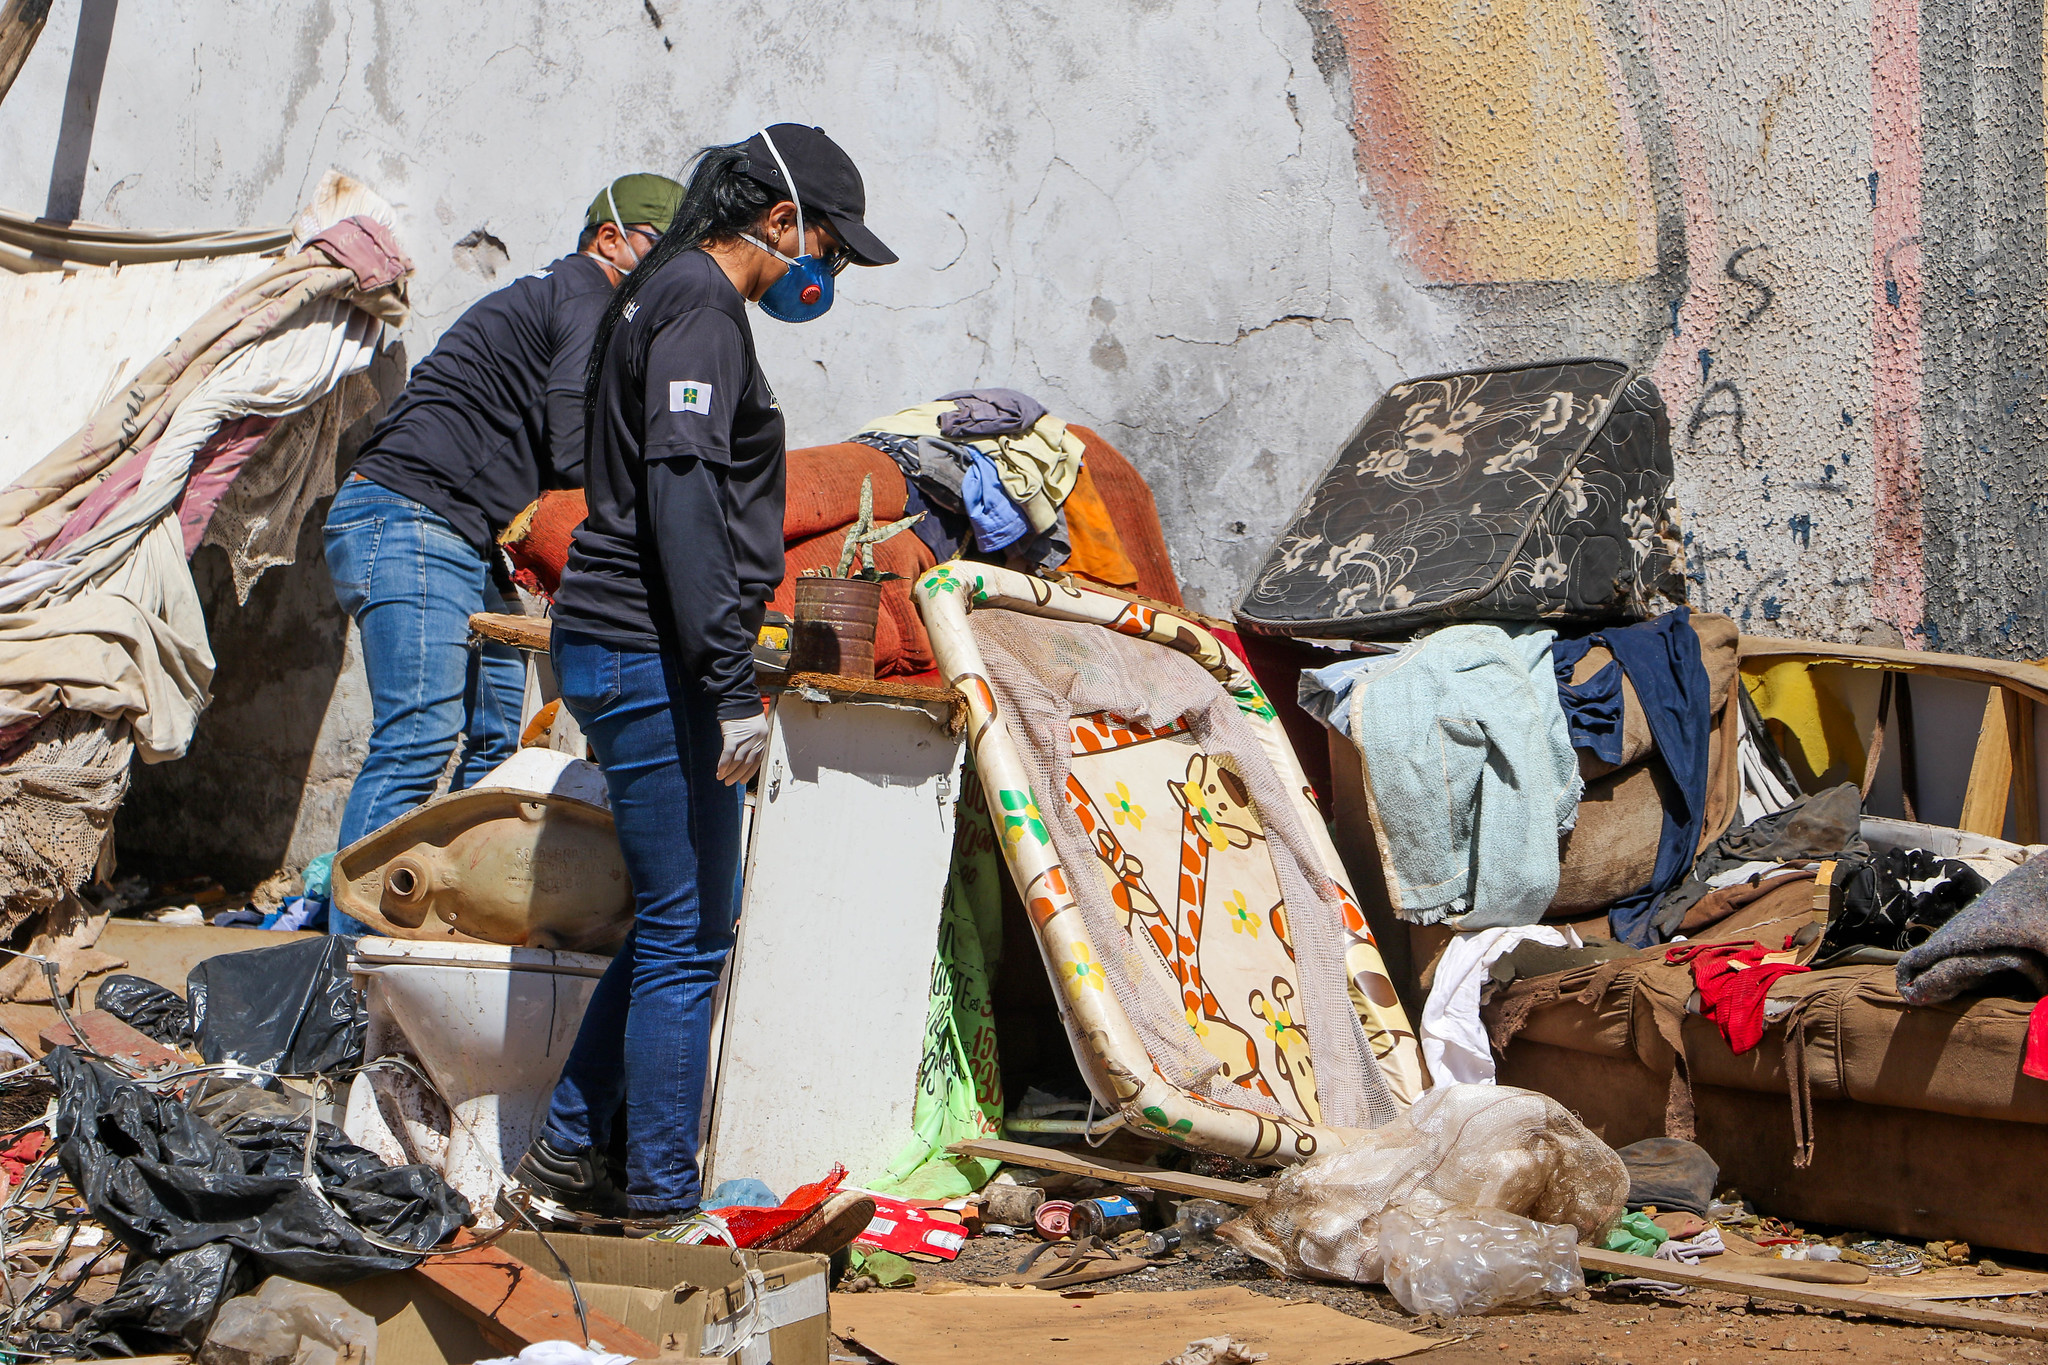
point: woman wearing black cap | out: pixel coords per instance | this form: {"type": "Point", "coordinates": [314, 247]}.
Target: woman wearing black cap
{"type": "Point", "coordinates": [664, 592]}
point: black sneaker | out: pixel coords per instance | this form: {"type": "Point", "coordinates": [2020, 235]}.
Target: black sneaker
{"type": "Point", "coordinates": [579, 1184]}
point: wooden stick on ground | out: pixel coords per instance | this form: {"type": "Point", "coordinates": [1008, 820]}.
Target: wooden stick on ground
{"type": "Point", "coordinates": [1109, 1169]}
{"type": "Point", "coordinates": [1854, 1299]}
{"type": "Point", "coordinates": [1704, 1276]}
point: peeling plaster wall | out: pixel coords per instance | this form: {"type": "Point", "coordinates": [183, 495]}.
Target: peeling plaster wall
{"type": "Point", "coordinates": [1819, 227]}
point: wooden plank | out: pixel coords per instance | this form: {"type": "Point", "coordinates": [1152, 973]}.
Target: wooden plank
{"type": "Point", "coordinates": [515, 1305]}
{"type": "Point", "coordinates": [1985, 799]}
{"type": "Point", "coordinates": [21, 22]}
{"type": "Point", "coordinates": [1111, 1170]}
{"type": "Point", "coordinates": [1828, 1296]}
{"type": "Point", "coordinates": [25, 1025]}
{"type": "Point", "coordinates": [2030, 680]}
{"type": "Point", "coordinates": [521, 632]}
{"type": "Point", "coordinates": [2019, 724]}
{"type": "Point", "coordinates": [840, 688]}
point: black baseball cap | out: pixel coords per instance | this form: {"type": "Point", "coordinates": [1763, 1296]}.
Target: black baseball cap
{"type": "Point", "coordinates": [828, 184]}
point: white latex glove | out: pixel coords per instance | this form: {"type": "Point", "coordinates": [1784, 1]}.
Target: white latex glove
{"type": "Point", "coordinates": [746, 741]}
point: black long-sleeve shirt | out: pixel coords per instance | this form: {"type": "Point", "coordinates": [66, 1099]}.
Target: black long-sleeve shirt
{"type": "Point", "coordinates": [494, 413]}
{"type": "Point", "coordinates": [682, 547]}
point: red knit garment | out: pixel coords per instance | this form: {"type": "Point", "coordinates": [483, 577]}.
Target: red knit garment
{"type": "Point", "coordinates": [2036, 1061]}
{"type": "Point", "coordinates": [1732, 979]}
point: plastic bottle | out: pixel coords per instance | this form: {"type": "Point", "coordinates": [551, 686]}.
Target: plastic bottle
{"type": "Point", "coordinates": [1198, 1219]}
{"type": "Point", "coordinates": [1164, 1242]}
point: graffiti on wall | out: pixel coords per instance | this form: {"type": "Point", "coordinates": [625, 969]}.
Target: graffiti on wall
{"type": "Point", "coordinates": [1820, 230]}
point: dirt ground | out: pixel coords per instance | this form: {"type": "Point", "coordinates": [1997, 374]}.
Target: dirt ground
{"type": "Point", "coordinates": [1598, 1328]}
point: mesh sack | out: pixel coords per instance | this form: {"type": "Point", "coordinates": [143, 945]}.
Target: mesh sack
{"type": "Point", "coordinates": [1496, 1146]}
{"type": "Point", "coordinates": [57, 803]}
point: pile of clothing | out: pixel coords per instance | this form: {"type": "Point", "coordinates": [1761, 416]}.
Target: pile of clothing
{"type": "Point", "coordinates": [227, 437]}
{"type": "Point", "coordinates": [1046, 496]}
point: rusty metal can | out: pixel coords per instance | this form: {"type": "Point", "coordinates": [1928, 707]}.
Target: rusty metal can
{"type": "Point", "coordinates": [834, 629]}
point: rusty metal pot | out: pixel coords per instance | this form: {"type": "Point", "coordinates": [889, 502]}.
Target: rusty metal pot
{"type": "Point", "coordinates": [834, 630]}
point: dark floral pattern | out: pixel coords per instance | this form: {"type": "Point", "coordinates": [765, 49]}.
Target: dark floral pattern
{"type": "Point", "coordinates": [1533, 492]}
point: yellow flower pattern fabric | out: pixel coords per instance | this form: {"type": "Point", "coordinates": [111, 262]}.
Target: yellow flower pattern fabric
{"type": "Point", "coordinates": [1178, 882]}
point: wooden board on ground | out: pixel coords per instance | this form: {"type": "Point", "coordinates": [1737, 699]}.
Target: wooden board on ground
{"type": "Point", "coordinates": [1960, 1283]}
{"type": "Point", "coordinates": [1033, 1327]}
{"type": "Point", "coordinates": [167, 953]}
{"type": "Point", "coordinates": [106, 1036]}
{"type": "Point", "coordinates": [1111, 1170]}
{"type": "Point", "coordinates": [25, 1025]}
{"type": "Point", "coordinates": [1857, 1299]}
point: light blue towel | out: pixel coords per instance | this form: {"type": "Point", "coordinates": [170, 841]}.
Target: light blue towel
{"type": "Point", "coordinates": [1470, 768]}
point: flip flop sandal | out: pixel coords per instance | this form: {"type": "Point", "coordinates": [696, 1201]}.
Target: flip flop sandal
{"type": "Point", "coordinates": [1071, 1263]}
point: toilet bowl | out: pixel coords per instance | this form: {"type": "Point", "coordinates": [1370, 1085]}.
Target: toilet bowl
{"type": "Point", "coordinates": [490, 1026]}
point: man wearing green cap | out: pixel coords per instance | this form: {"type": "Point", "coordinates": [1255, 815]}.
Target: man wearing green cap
{"type": "Point", "coordinates": [491, 417]}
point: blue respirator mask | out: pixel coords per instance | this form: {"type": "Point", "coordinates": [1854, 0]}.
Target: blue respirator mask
{"type": "Point", "coordinates": [805, 290]}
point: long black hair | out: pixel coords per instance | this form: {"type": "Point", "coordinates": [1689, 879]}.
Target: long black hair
{"type": "Point", "coordinates": [722, 199]}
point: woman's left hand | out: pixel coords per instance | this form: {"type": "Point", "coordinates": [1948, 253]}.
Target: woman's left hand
{"type": "Point", "coordinates": [746, 741]}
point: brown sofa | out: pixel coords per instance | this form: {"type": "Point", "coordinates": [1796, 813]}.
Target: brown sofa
{"type": "Point", "coordinates": [1856, 1109]}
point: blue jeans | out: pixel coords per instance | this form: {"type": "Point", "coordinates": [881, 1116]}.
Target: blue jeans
{"type": "Point", "coordinates": [646, 1036]}
{"type": "Point", "coordinates": [411, 583]}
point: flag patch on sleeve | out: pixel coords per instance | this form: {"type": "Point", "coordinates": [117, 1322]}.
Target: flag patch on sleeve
{"type": "Point", "coordinates": [689, 395]}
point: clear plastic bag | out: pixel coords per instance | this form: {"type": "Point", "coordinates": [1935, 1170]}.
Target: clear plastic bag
{"type": "Point", "coordinates": [1467, 1259]}
{"type": "Point", "coordinates": [285, 1322]}
{"type": "Point", "coordinates": [1487, 1145]}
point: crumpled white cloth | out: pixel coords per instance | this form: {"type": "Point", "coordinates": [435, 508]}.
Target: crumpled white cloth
{"type": "Point", "coordinates": [1454, 1042]}
{"type": "Point", "coordinates": [1695, 1248]}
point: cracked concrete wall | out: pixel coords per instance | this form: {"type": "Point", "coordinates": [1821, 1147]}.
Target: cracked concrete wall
{"type": "Point", "coordinates": [1147, 214]}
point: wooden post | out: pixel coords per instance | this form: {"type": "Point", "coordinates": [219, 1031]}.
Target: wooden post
{"type": "Point", "coordinates": [1985, 799]}
{"type": "Point", "coordinates": [21, 23]}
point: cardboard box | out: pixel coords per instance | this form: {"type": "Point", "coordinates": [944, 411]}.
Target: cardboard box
{"type": "Point", "coordinates": [690, 1300]}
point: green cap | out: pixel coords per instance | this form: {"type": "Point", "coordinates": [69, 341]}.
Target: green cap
{"type": "Point", "coordinates": [640, 198]}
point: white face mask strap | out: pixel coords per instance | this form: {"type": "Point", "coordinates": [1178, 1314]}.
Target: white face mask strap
{"type": "Point", "coordinates": [802, 244]}
{"type": "Point", "coordinates": [624, 236]}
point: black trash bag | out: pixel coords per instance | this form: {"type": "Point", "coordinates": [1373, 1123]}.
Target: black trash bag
{"type": "Point", "coordinates": [165, 1182]}
{"type": "Point", "coordinates": [290, 1009]}
{"type": "Point", "coordinates": [146, 1007]}
{"type": "Point", "coordinates": [159, 1306]}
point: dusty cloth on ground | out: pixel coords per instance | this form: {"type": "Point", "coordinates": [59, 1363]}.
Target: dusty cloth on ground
{"type": "Point", "coordinates": [1469, 773]}
{"type": "Point", "coordinates": [1997, 944]}
{"type": "Point", "coordinates": [1669, 1173]}
{"type": "Point", "coordinates": [58, 794]}
{"type": "Point", "coordinates": [1046, 672]}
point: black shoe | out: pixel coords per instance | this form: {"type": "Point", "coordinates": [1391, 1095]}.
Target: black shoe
{"type": "Point", "coordinates": [580, 1184]}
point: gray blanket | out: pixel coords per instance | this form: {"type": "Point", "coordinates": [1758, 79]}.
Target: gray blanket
{"type": "Point", "coordinates": [2005, 930]}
